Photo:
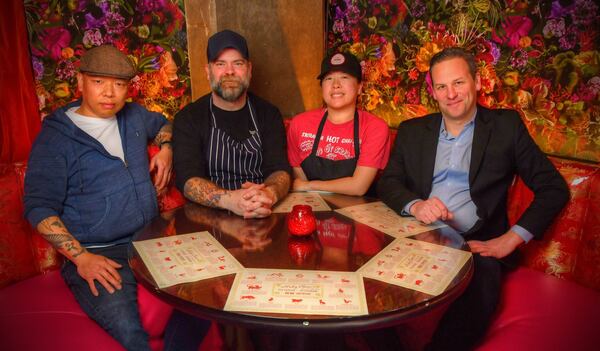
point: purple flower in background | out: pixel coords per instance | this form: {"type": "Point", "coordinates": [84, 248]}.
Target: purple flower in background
{"type": "Point", "coordinates": [495, 52]}
{"type": "Point", "coordinates": [353, 13]}
{"type": "Point", "coordinates": [92, 37]}
{"type": "Point", "coordinates": [115, 23]}
{"type": "Point", "coordinates": [145, 6]}
{"type": "Point", "coordinates": [339, 14]}
{"type": "Point", "coordinates": [594, 84]}
{"type": "Point", "coordinates": [92, 22]}
{"type": "Point", "coordinates": [417, 8]}
{"type": "Point", "coordinates": [554, 28]}
{"type": "Point", "coordinates": [568, 41]}
{"type": "Point", "coordinates": [65, 70]}
{"type": "Point", "coordinates": [38, 68]}
{"type": "Point", "coordinates": [585, 13]}
{"type": "Point", "coordinates": [559, 11]}
{"type": "Point", "coordinates": [338, 26]}
{"type": "Point", "coordinates": [518, 58]}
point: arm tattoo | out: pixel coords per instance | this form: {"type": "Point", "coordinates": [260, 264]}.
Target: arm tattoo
{"type": "Point", "coordinates": [203, 192]}
{"type": "Point", "coordinates": [280, 182]}
{"type": "Point", "coordinates": [55, 232]}
{"type": "Point", "coordinates": [164, 134]}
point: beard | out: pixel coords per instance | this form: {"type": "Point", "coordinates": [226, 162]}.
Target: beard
{"type": "Point", "coordinates": [230, 92]}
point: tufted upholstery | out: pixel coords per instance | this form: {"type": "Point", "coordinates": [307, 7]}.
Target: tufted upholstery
{"type": "Point", "coordinates": [24, 253]}
{"type": "Point", "coordinates": [570, 248]}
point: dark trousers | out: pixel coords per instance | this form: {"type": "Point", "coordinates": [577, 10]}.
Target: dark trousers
{"type": "Point", "coordinates": [467, 319]}
{"type": "Point", "coordinates": [118, 314]}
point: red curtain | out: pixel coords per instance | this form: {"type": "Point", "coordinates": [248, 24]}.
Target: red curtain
{"type": "Point", "coordinates": [19, 116]}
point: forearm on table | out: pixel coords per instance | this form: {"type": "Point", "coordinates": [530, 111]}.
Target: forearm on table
{"type": "Point", "coordinates": [279, 184]}
{"type": "Point", "coordinates": [57, 234]}
{"type": "Point", "coordinates": [357, 184]}
{"type": "Point", "coordinates": [205, 192]}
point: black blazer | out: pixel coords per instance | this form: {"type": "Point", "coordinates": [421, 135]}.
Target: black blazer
{"type": "Point", "coordinates": [502, 148]}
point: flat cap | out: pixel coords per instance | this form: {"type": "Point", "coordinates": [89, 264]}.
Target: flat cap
{"type": "Point", "coordinates": [107, 61]}
{"type": "Point", "coordinates": [226, 39]}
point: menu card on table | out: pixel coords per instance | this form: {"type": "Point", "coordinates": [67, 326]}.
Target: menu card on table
{"type": "Point", "coordinates": [298, 292]}
{"type": "Point", "coordinates": [377, 215]}
{"type": "Point", "coordinates": [314, 200]}
{"type": "Point", "coordinates": [186, 258]}
{"type": "Point", "coordinates": [417, 265]}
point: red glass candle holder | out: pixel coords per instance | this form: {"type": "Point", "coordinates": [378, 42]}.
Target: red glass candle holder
{"type": "Point", "coordinates": [303, 250]}
{"type": "Point", "coordinates": [301, 221]}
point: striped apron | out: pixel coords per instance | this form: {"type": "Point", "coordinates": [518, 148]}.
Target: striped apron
{"type": "Point", "coordinates": [231, 163]}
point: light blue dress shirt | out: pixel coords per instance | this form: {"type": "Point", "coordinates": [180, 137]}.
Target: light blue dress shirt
{"type": "Point", "coordinates": [451, 179]}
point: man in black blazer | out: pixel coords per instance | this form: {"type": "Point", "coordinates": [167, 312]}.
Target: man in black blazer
{"type": "Point", "coordinates": [457, 166]}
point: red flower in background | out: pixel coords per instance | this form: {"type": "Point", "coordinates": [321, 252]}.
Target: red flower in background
{"type": "Point", "coordinates": [514, 28]}
{"type": "Point", "coordinates": [53, 40]}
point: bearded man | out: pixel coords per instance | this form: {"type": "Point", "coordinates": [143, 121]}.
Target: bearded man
{"type": "Point", "coordinates": [230, 145]}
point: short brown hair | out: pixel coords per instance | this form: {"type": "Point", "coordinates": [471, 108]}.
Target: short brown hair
{"type": "Point", "coordinates": [454, 52]}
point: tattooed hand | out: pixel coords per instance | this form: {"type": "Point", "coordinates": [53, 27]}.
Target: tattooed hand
{"type": "Point", "coordinates": [89, 266]}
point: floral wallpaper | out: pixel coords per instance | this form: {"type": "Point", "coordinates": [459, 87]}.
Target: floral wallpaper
{"type": "Point", "coordinates": [538, 57]}
{"type": "Point", "coordinates": [151, 32]}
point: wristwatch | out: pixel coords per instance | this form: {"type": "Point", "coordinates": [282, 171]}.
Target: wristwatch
{"type": "Point", "coordinates": [163, 143]}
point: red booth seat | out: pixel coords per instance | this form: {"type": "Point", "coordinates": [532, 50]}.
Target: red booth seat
{"type": "Point", "coordinates": [552, 302]}
{"type": "Point", "coordinates": [541, 312]}
{"type": "Point", "coordinates": [42, 311]}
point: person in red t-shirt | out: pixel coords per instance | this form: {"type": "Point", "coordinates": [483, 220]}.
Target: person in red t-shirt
{"type": "Point", "coordinates": [353, 145]}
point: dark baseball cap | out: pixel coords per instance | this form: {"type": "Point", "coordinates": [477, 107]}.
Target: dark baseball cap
{"type": "Point", "coordinates": [225, 39]}
{"type": "Point", "coordinates": [107, 61]}
{"type": "Point", "coordinates": [341, 62]}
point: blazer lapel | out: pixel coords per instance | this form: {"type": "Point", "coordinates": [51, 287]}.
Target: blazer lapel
{"type": "Point", "coordinates": [481, 137]}
{"type": "Point", "coordinates": [428, 152]}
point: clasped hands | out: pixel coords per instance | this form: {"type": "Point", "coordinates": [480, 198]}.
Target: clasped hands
{"type": "Point", "coordinates": [252, 200]}
{"type": "Point", "coordinates": [433, 209]}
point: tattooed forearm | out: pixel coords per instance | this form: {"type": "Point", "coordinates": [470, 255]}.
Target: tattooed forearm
{"type": "Point", "coordinates": [65, 243]}
{"type": "Point", "coordinates": [279, 182]}
{"type": "Point", "coordinates": [164, 134]}
{"type": "Point", "coordinates": [204, 192]}
{"type": "Point", "coordinates": [55, 232]}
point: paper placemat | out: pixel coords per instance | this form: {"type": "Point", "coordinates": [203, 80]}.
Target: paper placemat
{"type": "Point", "coordinates": [186, 258]}
{"type": "Point", "coordinates": [314, 200]}
{"type": "Point", "coordinates": [379, 216]}
{"type": "Point", "coordinates": [298, 292]}
{"type": "Point", "coordinates": [416, 265]}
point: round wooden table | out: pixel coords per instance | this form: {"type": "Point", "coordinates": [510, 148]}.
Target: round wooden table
{"type": "Point", "coordinates": [340, 244]}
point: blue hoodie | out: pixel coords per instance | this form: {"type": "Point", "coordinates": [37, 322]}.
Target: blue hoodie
{"type": "Point", "coordinates": [100, 199]}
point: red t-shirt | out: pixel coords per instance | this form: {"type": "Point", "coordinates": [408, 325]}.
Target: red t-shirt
{"type": "Point", "coordinates": [337, 140]}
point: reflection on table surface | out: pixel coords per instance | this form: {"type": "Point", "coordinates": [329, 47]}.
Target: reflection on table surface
{"type": "Point", "coordinates": [339, 244]}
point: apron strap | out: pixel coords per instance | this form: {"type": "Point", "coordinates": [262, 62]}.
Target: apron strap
{"type": "Point", "coordinates": [320, 131]}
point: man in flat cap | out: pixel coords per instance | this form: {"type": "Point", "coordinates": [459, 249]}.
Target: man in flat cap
{"type": "Point", "coordinates": [229, 145]}
{"type": "Point", "coordinates": [88, 189]}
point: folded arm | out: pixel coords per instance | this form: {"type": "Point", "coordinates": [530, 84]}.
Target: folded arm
{"type": "Point", "coordinates": [357, 184]}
